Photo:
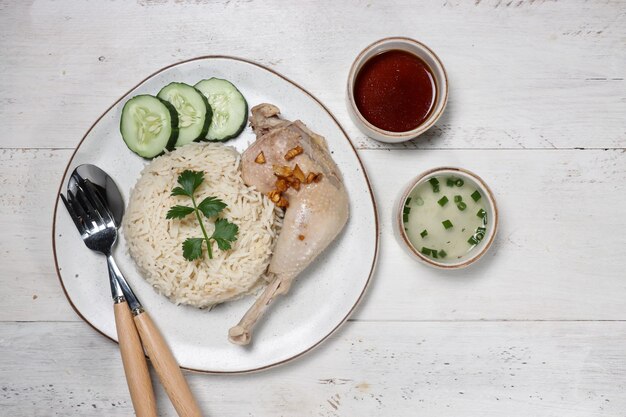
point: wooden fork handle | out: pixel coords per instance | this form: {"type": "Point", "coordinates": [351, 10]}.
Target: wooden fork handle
{"type": "Point", "coordinates": [166, 367]}
{"type": "Point", "coordinates": [134, 360]}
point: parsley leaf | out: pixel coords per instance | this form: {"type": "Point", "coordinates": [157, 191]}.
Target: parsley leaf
{"type": "Point", "coordinates": [179, 212]}
{"type": "Point", "coordinates": [225, 233]}
{"type": "Point", "coordinates": [192, 248]}
{"type": "Point", "coordinates": [189, 181]}
{"type": "Point", "coordinates": [211, 206]}
{"type": "Point", "coordinates": [179, 191]}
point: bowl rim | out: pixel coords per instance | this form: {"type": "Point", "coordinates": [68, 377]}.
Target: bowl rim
{"type": "Point", "coordinates": [432, 118]}
{"type": "Point", "coordinates": [463, 262]}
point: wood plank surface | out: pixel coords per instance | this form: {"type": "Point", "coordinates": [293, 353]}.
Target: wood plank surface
{"type": "Point", "coordinates": [523, 73]}
{"type": "Point", "coordinates": [537, 108]}
{"type": "Point", "coordinates": [30, 180]}
{"type": "Point", "coordinates": [434, 369]}
{"type": "Point", "coordinates": [559, 250]}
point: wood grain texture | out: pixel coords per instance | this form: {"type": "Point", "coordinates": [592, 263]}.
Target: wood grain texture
{"type": "Point", "coordinates": [559, 250]}
{"type": "Point", "coordinates": [135, 363]}
{"type": "Point", "coordinates": [167, 368]}
{"type": "Point", "coordinates": [30, 181]}
{"type": "Point", "coordinates": [434, 369]}
{"type": "Point", "coordinates": [523, 74]}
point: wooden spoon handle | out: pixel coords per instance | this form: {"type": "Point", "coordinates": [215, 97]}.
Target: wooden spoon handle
{"type": "Point", "coordinates": [167, 368]}
{"type": "Point", "coordinates": [134, 360]}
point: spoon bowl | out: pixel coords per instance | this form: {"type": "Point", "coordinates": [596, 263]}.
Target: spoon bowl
{"type": "Point", "coordinates": [104, 186]}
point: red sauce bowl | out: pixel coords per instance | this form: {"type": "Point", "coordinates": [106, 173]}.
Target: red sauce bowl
{"type": "Point", "coordinates": [397, 89]}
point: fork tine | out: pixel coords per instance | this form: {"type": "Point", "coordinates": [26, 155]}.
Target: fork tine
{"type": "Point", "coordinates": [68, 205]}
{"type": "Point", "coordinates": [93, 214]}
{"type": "Point", "coordinates": [89, 223]}
{"type": "Point", "coordinates": [93, 195]}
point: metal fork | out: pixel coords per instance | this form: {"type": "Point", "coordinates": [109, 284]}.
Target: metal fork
{"type": "Point", "coordinates": [99, 232]}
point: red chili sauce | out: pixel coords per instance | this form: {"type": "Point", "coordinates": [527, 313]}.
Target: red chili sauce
{"type": "Point", "coordinates": [395, 91]}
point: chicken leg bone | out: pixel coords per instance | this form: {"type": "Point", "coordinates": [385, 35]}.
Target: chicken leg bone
{"type": "Point", "coordinates": [241, 334]}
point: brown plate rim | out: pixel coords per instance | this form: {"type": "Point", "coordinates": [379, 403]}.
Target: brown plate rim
{"type": "Point", "coordinates": [369, 186]}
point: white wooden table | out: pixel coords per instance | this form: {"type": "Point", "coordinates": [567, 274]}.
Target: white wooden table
{"type": "Point", "coordinates": [537, 107]}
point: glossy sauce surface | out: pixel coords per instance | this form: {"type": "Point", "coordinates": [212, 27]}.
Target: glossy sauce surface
{"type": "Point", "coordinates": [395, 91]}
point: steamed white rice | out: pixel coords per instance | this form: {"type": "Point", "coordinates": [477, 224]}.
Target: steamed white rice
{"type": "Point", "coordinates": [155, 243]}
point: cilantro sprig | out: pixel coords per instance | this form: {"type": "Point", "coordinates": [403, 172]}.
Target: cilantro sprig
{"type": "Point", "coordinates": [225, 232]}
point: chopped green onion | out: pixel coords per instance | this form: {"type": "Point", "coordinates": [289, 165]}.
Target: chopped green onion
{"type": "Point", "coordinates": [443, 201]}
{"type": "Point", "coordinates": [459, 182]}
{"type": "Point", "coordinates": [485, 220]}
{"type": "Point", "coordinates": [476, 195]}
{"type": "Point", "coordinates": [481, 213]}
{"type": "Point", "coordinates": [424, 233]}
{"type": "Point", "coordinates": [406, 210]}
{"type": "Point", "coordinates": [480, 236]}
{"type": "Point", "coordinates": [405, 217]}
{"type": "Point", "coordinates": [481, 230]}
{"type": "Point", "coordinates": [442, 253]}
{"type": "Point", "coordinates": [425, 250]}
{"type": "Point", "coordinates": [434, 182]}
{"type": "Point", "coordinates": [419, 201]}
{"type": "Point", "coordinates": [408, 201]}
{"type": "Point", "coordinates": [447, 224]}
{"type": "Point", "coordinates": [433, 253]}
{"type": "Point", "coordinates": [450, 182]}
{"type": "Point", "coordinates": [461, 206]}
{"type": "Point", "coordinates": [458, 198]}
{"type": "Point", "coordinates": [472, 241]}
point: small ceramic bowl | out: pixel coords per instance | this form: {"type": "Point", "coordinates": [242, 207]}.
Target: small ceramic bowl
{"type": "Point", "coordinates": [474, 254]}
{"type": "Point", "coordinates": [441, 87]}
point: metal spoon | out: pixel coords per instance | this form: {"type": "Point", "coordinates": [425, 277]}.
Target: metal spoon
{"type": "Point", "coordinates": [87, 187]}
{"type": "Point", "coordinates": [91, 178]}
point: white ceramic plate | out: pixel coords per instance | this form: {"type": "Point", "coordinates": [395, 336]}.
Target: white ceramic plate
{"type": "Point", "coordinates": [321, 299]}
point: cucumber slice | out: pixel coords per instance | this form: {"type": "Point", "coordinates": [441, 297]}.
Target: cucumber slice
{"type": "Point", "coordinates": [230, 110]}
{"type": "Point", "coordinates": [194, 112]}
{"type": "Point", "coordinates": [149, 125]}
